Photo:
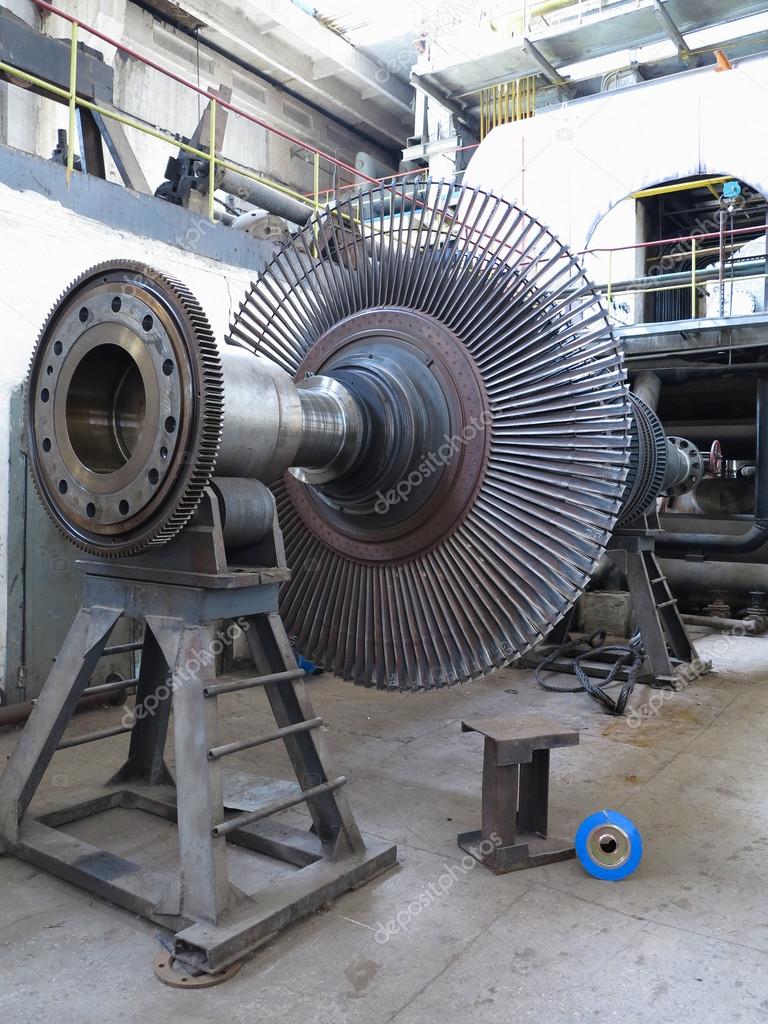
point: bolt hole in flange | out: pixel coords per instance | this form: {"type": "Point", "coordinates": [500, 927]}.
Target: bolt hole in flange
{"type": "Point", "coordinates": [608, 844]}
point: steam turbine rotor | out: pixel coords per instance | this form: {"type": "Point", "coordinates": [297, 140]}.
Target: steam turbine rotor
{"type": "Point", "coordinates": [428, 382]}
{"type": "Point", "coordinates": [494, 397]}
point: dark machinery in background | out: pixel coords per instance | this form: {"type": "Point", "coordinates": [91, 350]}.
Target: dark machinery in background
{"type": "Point", "coordinates": [714, 539]}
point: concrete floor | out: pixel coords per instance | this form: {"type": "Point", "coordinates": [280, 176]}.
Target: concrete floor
{"type": "Point", "coordinates": [684, 939]}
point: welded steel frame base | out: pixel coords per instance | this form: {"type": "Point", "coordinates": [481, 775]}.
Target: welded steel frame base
{"type": "Point", "coordinates": [666, 643]}
{"type": "Point", "coordinates": [665, 638]}
{"type": "Point", "coordinates": [214, 923]}
{"type": "Point", "coordinates": [515, 809]}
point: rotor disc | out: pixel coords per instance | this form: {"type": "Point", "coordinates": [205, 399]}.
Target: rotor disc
{"type": "Point", "coordinates": [541, 381]}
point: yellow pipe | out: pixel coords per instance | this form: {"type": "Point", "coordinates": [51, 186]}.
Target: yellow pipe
{"type": "Point", "coordinates": [72, 102]}
{"type": "Point", "coordinates": [139, 127]}
{"type": "Point", "coordinates": [676, 287]}
{"type": "Point", "coordinates": [128, 122]}
{"type": "Point", "coordinates": [212, 160]}
{"type": "Point", "coordinates": [317, 181]}
{"type": "Point", "coordinates": [33, 80]}
{"type": "Point", "coordinates": [684, 186]}
{"type": "Point", "coordinates": [693, 278]}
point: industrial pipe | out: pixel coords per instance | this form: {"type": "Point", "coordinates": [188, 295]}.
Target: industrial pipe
{"type": "Point", "coordinates": [260, 194]}
{"type": "Point", "coordinates": [715, 546]}
{"type": "Point", "coordinates": [17, 714]}
{"type": "Point", "coordinates": [716, 622]}
{"type": "Point", "coordinates": [647, 387]}
{"type": "Point", "coordinates": [682, 374]}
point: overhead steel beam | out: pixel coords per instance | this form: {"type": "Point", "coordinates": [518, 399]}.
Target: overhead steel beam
{"type": "Point", "coordinates": [337, 51]}
{"type": "Point", "coordinates": [672, 30]}
{"type": "Point", "coordinates": [549, 71]}
{"type": "Point", "coordinates": [36, 54]}
{"type": "Point", "coordinates": [462, 115]}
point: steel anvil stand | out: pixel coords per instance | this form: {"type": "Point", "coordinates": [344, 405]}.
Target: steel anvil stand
{"type": "Point", "coordinates": [180, 593]}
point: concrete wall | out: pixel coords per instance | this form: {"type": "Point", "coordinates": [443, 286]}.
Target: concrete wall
{"type": "Point", "coordinates": [43, 246]}
{"type": "Point", "coordinates": [31, 123]}
{"type": "Point", "coordinates": [570, 167]}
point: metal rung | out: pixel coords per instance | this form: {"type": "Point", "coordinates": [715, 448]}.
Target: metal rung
{"type": "Point", "coordinates": [91, 737]}
{"type": "Point", "coordinates": [245, 684]}
{"type": "Point", "coordinates": [232, 748]}
{"type": "Point", "coordinates": [133, 645]}
{"type": "Point", "coordinates": [276, 806]}
{"type": "Point", "coordinates": [666, 604]}
{"type": "Point", "coordinates": [659, 579]}
{"type": "Point", "coordinates": [106, 688]}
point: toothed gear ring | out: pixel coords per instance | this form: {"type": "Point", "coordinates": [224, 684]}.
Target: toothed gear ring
{"type": "Point", "coordinates": [124, 409]}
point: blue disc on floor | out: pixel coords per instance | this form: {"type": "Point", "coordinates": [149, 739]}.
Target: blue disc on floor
{"type": "Point", "coordinates": [609, 845]}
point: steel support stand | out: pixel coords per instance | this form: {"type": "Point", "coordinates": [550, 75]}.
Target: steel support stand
{"type": "Point", "coordinates": [181, 609]}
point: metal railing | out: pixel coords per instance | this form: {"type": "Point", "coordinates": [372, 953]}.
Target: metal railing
{"type": "Point", "coordinates": [691, 249]}
{"type": "Point", "coordinates": [213, 158]}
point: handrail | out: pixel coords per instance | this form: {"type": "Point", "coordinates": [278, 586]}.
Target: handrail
{"type": "Point", "coordinates": [698, 275]}
{"type": "Point", "coordinates": [213, 159]}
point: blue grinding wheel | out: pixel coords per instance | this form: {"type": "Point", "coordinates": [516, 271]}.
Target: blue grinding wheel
{"type": "Point", "coordinates": [608, 845]}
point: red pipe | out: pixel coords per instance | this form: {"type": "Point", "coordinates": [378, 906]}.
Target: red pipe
{"type": "Point", "coordinates": [683, 238]}
{"type": "Point", "coordinates": [326, 156]}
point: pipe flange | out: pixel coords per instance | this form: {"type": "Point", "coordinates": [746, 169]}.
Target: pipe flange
{"type": "Point", "coordinates": [124, 402]}
{"type": "Point", "coordinates": [696, 467]}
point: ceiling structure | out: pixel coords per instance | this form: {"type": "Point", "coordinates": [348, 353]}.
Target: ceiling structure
{"type": "Point", "coordinates": [572, 53]}
{"type": "Point", "coordinates": [294, 48]}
